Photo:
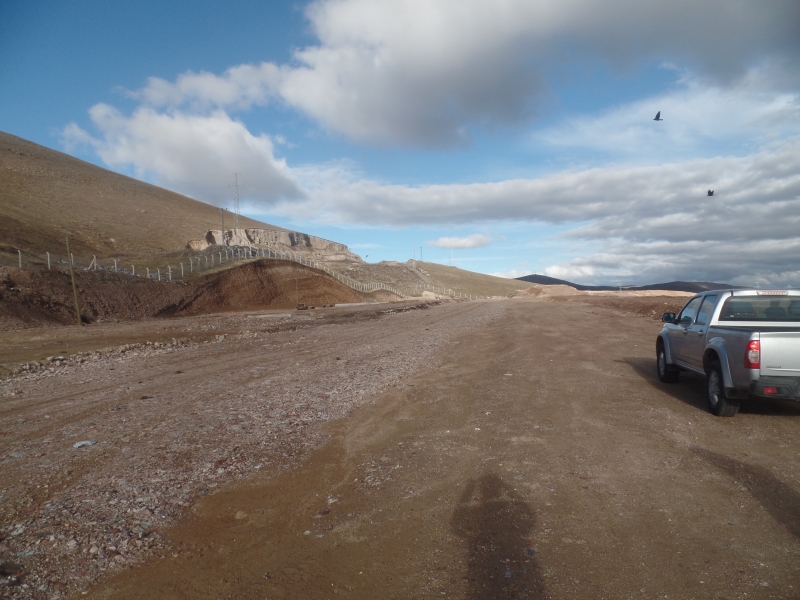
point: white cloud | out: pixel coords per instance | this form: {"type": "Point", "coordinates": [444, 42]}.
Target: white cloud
{"type": "Point", "coordinates": [699, 118]}
{"type": "Point", "coordinates": [239, 87]}
{"type": "Point", "coordinates": [571, 272]}
{"type": "Point", "coordinates": [667, 201]}
{"type": "Point", "coordinates": [511, 273]}
{"type": "Point", "coordinates": [741, 262]}
{"type": "Point", "coordinates": [422, 73]}
{"type": "Point", "coordinates": [651, 222]}
{"type": "Point", "coordinates": [476, 240]}
{"type": "Point", "coordinates": [193, 154]}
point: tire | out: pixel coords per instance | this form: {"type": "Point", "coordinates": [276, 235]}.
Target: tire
{"type": "Point", "coordinates": [665, 373]}
{"type": "Point", "coordinates": [718, 403]}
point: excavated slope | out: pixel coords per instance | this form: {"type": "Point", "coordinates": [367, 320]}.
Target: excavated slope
{"type": "Point", "coordinates": [42, 297]}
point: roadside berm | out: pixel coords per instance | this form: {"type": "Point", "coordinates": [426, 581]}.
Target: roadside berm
{"type": "Point", "coordinates": [41, 297]}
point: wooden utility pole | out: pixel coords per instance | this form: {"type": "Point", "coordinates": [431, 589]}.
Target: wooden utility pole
{"type": "Point", "coordinates": [74, 289]}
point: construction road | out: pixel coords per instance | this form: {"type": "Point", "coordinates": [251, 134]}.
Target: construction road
{"type": "Point", "coordinates": [532, 454]}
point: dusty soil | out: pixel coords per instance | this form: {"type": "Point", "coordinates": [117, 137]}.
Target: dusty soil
{"type": "Point", "coordinates": [507, 449]}
{"type": "Point", "coordinates": [39, 297]}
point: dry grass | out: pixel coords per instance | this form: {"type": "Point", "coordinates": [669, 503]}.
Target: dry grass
{"type": "Point", "coordinates": [46, 196]}
{"type": "Point", "coordinates": [469, 282]}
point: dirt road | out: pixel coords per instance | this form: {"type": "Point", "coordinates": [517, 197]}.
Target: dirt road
{"type": "Point", "coordinates": [514, 449]}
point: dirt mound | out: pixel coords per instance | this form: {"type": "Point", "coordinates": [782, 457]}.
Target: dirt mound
{"type": "Point", "coordinates": [275, 283]}
{"type": "Point", "coordinates": [43, 297]}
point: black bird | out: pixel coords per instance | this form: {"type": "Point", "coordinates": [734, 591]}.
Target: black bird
{"type": "Point", "coordinates": [710, 193]}
{"type": "Point", "coordinates": [658, 117]}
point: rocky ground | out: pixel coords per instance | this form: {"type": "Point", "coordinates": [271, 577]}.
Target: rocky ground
{"type": "Point", "coordinates": [520, 448]}
{"type": "Point", "coordinates": [103, 449]}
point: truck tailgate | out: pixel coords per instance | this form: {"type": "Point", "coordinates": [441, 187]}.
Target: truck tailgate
{"type": "Point", "coordinates": [780, 353]}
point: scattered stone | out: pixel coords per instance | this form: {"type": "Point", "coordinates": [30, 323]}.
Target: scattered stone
{"type": "Point", "coordinates": [83, 444]}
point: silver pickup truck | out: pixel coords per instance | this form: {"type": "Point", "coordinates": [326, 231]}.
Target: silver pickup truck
{"type": "Point", "coordinates": [746, 343]}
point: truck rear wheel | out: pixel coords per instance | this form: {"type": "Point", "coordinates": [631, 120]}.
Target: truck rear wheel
{"type": "Point", "coordinates": [718, 402]}
{"type": "Point", "coordinates": [665, 373]}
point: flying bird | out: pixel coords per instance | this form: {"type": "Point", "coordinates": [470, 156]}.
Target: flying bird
{"type": "Point", "coordinates": [710, 193]}
{"type": "Point", "coordinates": [658, 117]}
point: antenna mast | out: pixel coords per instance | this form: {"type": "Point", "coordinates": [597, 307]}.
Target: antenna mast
{"type": "Point", "coordinates": [236, 201]}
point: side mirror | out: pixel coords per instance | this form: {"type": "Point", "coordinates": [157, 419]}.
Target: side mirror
{"type": "Point", "coordinates": [668, 317]}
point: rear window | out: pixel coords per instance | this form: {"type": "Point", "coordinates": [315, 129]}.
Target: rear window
{"type": "Point", "coordinates": [759, 308]}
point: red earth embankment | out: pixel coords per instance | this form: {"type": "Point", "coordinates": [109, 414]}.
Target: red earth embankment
{"type": "Point", "coordinates": [42, 297]}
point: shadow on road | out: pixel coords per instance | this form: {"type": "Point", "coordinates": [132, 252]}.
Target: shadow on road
{"type": "Point", "coordinates": [691, 390]}
{"type": "Point", "coordinates": [495, 522]}
{"type": "Point", "coordinates": [781, 501]}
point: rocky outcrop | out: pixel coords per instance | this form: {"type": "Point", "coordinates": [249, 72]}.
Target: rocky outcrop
{"type": "Point", "coordinates": [292, 241]}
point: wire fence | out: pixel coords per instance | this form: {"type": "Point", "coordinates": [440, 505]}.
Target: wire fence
{"type": "Point", "coordinates": [215, 256]}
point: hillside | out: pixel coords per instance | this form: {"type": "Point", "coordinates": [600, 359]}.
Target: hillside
{"type": "Point", "coordinates": [46, 196]}
{"type": "Point", "coordinates": [672, 286]}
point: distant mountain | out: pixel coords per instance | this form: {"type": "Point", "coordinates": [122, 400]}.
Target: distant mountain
{"type": "Point", "coordinates": [672, 286]}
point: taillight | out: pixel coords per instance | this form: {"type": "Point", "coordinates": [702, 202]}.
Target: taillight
{"type": "Point", "coordinates": [752, 357]}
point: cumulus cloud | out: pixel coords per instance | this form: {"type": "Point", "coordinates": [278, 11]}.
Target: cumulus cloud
{"type": "Point", "coordinates": [654, 222]}
{"type": "Point", "coordinates": [239, 87]}
{"type": "Point", "coordinates": [512, 273]}
{"type": "Point", "coordinates": [193, 154]}
{"type": "Point", "coordinates": [746, 262]}
{"type": "Point", "coordinates": [476, 240]}
{"type": "Point", "coordinates": [699, 118]}
{"type": "Point", "coordinates": [635, 202]}
{"type": "Point", "coordinates": [423, 73]}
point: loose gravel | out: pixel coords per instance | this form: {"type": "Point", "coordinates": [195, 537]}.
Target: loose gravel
{"type": "Point", "coordinates": [102, 451]}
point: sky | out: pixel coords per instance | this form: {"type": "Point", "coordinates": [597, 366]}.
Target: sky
{"type": "Point", "coordinates": [501, 136]}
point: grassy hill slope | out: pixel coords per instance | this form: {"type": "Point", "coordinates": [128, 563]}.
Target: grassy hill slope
{"type": "Point", "coordinates": [46, 196]}
{"type": "Point", "coordinates": [469, 282]}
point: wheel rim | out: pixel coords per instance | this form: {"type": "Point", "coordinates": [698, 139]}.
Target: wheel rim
{"type": "Point", "coordinates": [662, 363]}
{"type": "Point", "coordinates": [714, 389]}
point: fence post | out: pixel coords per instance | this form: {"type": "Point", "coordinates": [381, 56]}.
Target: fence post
{"type": "Point", "coordinates": [48, 261]}
{"type": "Point", "coordinates": [159, 274]}
{"type": "Point", "coordinates": [74, 288]}
{"type": "Point", "coordinates": [133, 270]}
{"type": "Point", "coordinates": [170, 272]}
{"type": "Point", "coordinates": [95, 262]}
{"type": "Point", "coordinates": [115, 265]}
{"type": "Point", "coordinates": [220, 258]}
{"type": "Point", "coordinates": [148, 272]}
{"type": "Point", "coordinates": [20, 258]}
{"type": "Point", "coordinates": [181, 269]}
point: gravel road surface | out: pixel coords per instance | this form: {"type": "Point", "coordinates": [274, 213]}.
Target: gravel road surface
{"type": "Point", "coordinates": [506, 449]}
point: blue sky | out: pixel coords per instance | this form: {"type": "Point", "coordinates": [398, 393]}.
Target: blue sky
{"type": "Point", "coordinates": [516, 136]}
